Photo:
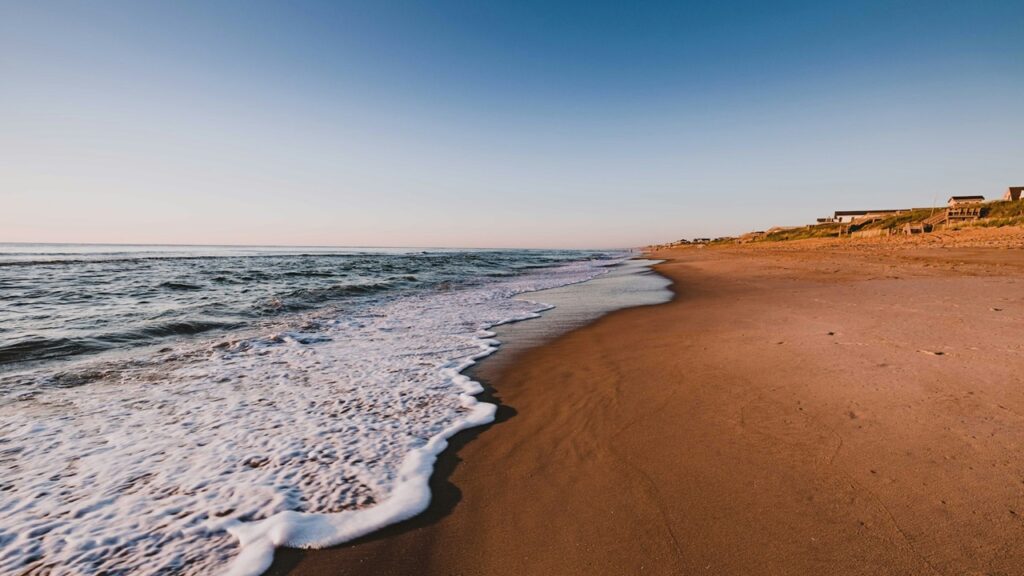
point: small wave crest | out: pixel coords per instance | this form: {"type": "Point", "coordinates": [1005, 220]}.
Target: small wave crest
{"type": "Point", "coordinates": [180, 286]}
{"type": "Point", "coordinates": [308, 298]}
{"type": "Point", "coordinates": [172, 328]}
{"type": "Point", "coordinates": [35, 348]}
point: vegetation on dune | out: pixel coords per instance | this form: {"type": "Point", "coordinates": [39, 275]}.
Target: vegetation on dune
{"type": "Point", "coordinates": [997, 214]}
{"type": "Point", "coordinates": [897, 221]}
{"type": "Point", "coordinates": [801, 233]}
{"type": "Point", "coordinates": [994, 214]}
{"type": "Point", "coordinates": [1004, 209]}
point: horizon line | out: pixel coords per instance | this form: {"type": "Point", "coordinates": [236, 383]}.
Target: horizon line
{"type": "Point", "coordinates": [327, 246]}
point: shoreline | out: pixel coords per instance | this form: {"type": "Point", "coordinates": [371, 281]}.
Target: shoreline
{"type": "Point", "coordinates": [788, 412]}
{"type": "Point", "coordinates": [366, 383]}
{"type": "Point", "coordinates": [628, 283]}
{"type": "Point", "coordinates": [412, 494]}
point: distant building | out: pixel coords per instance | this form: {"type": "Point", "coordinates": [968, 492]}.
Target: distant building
{"type": "Point", "coordinates": [1013, 193]}
{"type": "Point", "coordinates": [955, 201]}
{"type": "Point", "coordinates": [964, 212]}
{"type": "Point", "coordinates": [846, 216]}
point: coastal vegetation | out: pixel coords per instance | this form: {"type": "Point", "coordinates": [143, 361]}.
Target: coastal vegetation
{"type": "Point", "coordinates": [995, 214]}
{"type": "Point", "coordinates": [1001, 213]}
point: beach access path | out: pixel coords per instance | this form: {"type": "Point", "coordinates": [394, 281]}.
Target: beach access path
{"type": "Point", "coordinates": [793, 410]}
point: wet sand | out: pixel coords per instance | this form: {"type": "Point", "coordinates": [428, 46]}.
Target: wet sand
{"type": "Point", "coordinates": [814, 410]}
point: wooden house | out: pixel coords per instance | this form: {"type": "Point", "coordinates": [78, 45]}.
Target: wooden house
{"type": "Point", "coordinates": [847, 216]}
{"type": "Point", "coordinates": [955, 201]}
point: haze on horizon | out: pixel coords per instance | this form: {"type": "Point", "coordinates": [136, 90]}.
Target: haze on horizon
{"type": "Point", "coordinates": [487, 124]}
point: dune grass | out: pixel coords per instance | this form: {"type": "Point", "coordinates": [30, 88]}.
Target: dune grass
{"type": "Point", "coordinates": [995, 214]}
{"type": "Point", "coordinates": [897, 221]}
{"type": "Point", "coordinates": [1004, 213]}
{"type": "Point", "coordinates": [802, 232]}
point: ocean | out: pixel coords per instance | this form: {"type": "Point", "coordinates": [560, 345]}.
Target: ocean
{"type": "Point", "coordinates": [188, 409]}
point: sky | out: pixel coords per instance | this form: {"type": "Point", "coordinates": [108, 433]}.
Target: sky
{"type": "Point", "coordinates": [495, 124]}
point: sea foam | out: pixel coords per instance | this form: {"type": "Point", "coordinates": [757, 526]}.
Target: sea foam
{"type": "Point", "coordinates": [206, 457]}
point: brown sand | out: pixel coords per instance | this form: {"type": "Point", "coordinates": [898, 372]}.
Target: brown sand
{"type": "Point", "coordinates": [815, 410]}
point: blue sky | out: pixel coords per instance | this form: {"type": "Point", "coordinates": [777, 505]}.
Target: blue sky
{"type": "Point", "coordinates": [483, 124]}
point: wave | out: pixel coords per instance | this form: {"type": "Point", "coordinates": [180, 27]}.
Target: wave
{"type": "Point", "coordinates": [310, 274]}
{"type": "Point", "coordinates": [179, 286]}
{"type": "Point", "coordinates": [307, 430]}
{"type": "Point", "coordinates": [39, 348]}
{"type": "Point", "coordinates": [306, 298]}
{"type": "Point", "coordinates": [174, 328]}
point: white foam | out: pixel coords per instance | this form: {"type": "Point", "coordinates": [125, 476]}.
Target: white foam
{"type": "Point", "coordinates": [206, 458]}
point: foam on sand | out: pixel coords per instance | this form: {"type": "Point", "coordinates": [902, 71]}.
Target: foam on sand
{"type": "Point", "coordinates": [318, 431]}
{"type": "Point", "coordinates": [410, 497]}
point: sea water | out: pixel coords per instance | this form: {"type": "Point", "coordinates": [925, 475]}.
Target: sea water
{"type": "Point", "coordinates": [187, 410]}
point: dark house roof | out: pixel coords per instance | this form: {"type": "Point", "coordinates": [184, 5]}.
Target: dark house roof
{"type": "Point", "coordinates": [966, 198]}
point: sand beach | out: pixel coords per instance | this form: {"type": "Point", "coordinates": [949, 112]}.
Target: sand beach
{"type": "Point", "coordinates": [816, 407]}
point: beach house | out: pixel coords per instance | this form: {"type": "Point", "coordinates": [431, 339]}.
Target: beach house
{"type": "Point", "coordinates": [845, 216]}
{"type": "Point", "coordinates": [955, 201]}
{"type": "Point", "coordinates": [1013, 193]}
{"type": "Point", "coordinates": [848, 215]}
{"type": "Point", "coordinates": [964, 208]}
